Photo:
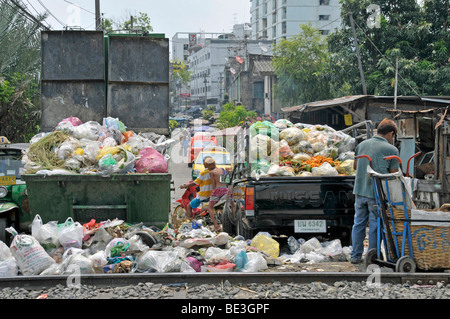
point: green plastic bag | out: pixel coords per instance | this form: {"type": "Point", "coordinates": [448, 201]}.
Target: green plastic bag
{"type": "Point", "coordinates": [265, 128]}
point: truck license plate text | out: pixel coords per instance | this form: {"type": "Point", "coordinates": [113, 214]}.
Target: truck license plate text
{"type": "Point", "coordinates": [310, 226]}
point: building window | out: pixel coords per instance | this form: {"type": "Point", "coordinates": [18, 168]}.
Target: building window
{"type": "Point", "coordinates": [324, 17]}
{"type": "Point", "coordinates": [324, 2]}
{"type": "Point", "coordinates": [258, 90]}
{"type": "Point", "coordinates": [324, 32]}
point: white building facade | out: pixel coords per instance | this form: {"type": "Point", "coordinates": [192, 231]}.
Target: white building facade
{"type": "Point", "coordinates": [281, 19]}
{"type": "Point", "coordinates": [208, 54]}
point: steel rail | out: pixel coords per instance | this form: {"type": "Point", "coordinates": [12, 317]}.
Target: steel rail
{"type": "Point", "coordinates": [126, 279]}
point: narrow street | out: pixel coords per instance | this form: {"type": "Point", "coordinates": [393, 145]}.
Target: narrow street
{"type": "Point", "coordinates": [178, 167]}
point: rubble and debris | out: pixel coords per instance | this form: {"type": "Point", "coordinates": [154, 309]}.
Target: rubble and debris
{"type": "Point", "coordinates": [118, 247]}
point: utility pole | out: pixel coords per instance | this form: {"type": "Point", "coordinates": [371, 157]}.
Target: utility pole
{"type": "Point", "coordinates": [206, 90]}
{"type": "Point", "coordinates": [396, 80]}
{"type": "Point", "coordinates": [363, 81]}
{"type": "Point", "coordinates": [98, 20]}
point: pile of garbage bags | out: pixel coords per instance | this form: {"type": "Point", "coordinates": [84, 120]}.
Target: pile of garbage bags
{"type": "Point", "coordinates": [115, 246]}
{"type": "Point", "coordinates": [286, 149]}
{"type": "Point", "coordinates": [109, 148]}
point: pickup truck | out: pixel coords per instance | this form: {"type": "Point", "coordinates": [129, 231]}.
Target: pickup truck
{"type": "Point", "coordinates": [303, 207]}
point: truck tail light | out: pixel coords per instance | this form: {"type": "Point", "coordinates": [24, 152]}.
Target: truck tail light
{"type": "Point", "coordinates": [250, 201]}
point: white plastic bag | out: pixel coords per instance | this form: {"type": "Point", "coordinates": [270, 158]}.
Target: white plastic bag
{"type": "Point", "coordinates": [29, 254]}
{"type": "Point", "coordinates": [74, 259]}
{"type": "Point", "coordinates": [310, 245]}
{"type": "Point", "coordinates": [331, 249]}
{"type": "Point", "coordinates": [36, 224]}
{"type": "Point", "coordinates": [71, 234]}
{"type": "Point", "coordinates": [160, 261]}
{"type": "Point", "coordinates": [5, 253]}
{"type": "Point", "coordinates": [256, 262]}
{"type": "Point", "coordinates": [98, 259]}
{"type": "Point", "coordinates": [47, 236]}
{"type": "Point", "coordinates": [324, 170]}
{"type": "Point", "coordinates": [215, 255]}
{"type": "Point", "coordinates": [8, 268]}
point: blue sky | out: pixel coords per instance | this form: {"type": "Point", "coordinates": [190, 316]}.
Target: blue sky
{"type": "Point", "coordinates": [166, 16]}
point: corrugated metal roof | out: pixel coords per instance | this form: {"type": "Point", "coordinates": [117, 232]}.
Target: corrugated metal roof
{"type": "Point", "coordinates": [325, 103]}
{"type": "Point", "coordinates": [263, 67]}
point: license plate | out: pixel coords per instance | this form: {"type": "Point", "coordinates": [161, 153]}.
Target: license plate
{"type": "Point", "coordinates": [7, 180]}
{"type": "Point", "coordinates": [310, 226]}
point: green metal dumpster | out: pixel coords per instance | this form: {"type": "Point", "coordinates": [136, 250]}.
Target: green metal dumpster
{"type": "Point", "coordinates": [133, 198]}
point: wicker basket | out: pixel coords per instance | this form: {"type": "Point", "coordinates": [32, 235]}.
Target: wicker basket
{"type": "Point", "coordinates": [431, 244]}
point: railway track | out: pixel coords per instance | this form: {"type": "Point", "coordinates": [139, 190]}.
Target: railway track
{"type": "Point", "coordinates": [116, 280]}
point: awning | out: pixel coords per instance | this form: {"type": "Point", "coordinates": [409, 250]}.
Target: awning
{"type": "Point", "coordinates": [319, 105]}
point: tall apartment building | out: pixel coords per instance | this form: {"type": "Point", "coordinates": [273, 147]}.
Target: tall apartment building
{"type": "Point", "coordinates": [208, 54]}
{"type": "Point", "coordinates": [281, 19]}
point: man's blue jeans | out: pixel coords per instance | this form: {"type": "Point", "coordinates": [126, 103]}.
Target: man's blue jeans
{"type": "Point", "coordinates": [365, 211]}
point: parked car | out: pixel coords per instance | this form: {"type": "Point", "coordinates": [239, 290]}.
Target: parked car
{"type": "Point", "coordinates": [198, 142]}
{"type": "Point", "coordinates": [219, 154]}
{"type": "Point", "coordinates": [13, 194]}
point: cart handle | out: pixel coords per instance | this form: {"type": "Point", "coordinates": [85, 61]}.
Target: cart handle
{"type": "Point", "coordinates": [392, 157]}
{"type": "Point", "coordinates": [365, 156]}
{"type": "Point", "coordinates": [409, 160]}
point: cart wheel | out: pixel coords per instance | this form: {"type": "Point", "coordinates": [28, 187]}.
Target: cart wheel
{"type": "Point", "coordinates": [405, 264]}
{"type": "Point", "coordinates": [178, 216]}
{"type": "Point", "coordinates": [370, 257]}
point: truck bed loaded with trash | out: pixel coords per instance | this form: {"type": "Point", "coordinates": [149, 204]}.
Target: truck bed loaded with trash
{"type": "Point", "coordinates": [293, 180]}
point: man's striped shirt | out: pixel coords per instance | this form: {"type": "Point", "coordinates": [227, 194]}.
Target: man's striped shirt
{"type": "Point", "coordinates": [205, 183]}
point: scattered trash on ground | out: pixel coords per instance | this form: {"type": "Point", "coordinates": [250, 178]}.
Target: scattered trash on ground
{"type": "Point", "coordinates": [115, 246]}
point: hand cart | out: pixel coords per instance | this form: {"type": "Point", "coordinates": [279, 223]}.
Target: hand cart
{"type": "Point", "coordinates": [391, 194]}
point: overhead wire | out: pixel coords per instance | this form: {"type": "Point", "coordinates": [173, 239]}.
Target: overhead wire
{"type": "Point", "coordinates": [379, 51]}
{"type": "Point", "coordinates": [37, 12]}
{"type": "Point", "coordinates": [25, 13]}
{"type": "Point", "coordinates": [49, 12]}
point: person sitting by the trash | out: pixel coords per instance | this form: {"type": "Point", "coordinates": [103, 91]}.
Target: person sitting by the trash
{"type": "Point", "coordinates": [204, 182]}
{"type": "Point", "coordinates": [219, 189]}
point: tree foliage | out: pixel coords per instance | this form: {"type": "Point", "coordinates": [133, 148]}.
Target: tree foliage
{"type": "Point", "coordinates": [140, 20]}
{"type": "Point", "coordinates": [19, 74]}
{"type": "Point", "coordinates": [301, 65]}
{"type": "Point", "coordinates": [418, 36]}
{"type": "Point", "coordinates": [233, 115]}
{"type": "Point", "coordinates": [181, 72]}
{"type": "Point", "coordinates": [311, 67]}
{"type": "Point", "coordinates": [209, 112]}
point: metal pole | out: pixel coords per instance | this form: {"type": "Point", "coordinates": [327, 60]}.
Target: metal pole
{"type": "Point", "coordinates": [396, 79]}
{"type": "Point", "coordinates": [98, 21]}
{"type": "Point", "coordinates": [363, 81]}
{"type": "Point", "coordinates": [206, 91]}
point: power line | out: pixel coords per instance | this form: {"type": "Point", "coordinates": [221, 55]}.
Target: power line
{"type": "Point", "coordinates": [379, 51]}
{"type": "Point", "coordinates": [27, 14]}
{"type": "Point", "coordinates": [49, 12]}
{"type": "Point", "coordinates": [36, 10]}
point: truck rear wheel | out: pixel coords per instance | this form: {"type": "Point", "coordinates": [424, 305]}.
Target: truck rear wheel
{"type": "Point", "coordinates": [242, 228]}
{"type": "Point", "coordinates": [227, 226]}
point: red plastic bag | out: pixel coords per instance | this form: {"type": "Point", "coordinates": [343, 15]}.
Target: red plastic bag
{"type": "Point", "coordinates": [74, 120]}
{"type": "Point", "coordinates": [150, 161]}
